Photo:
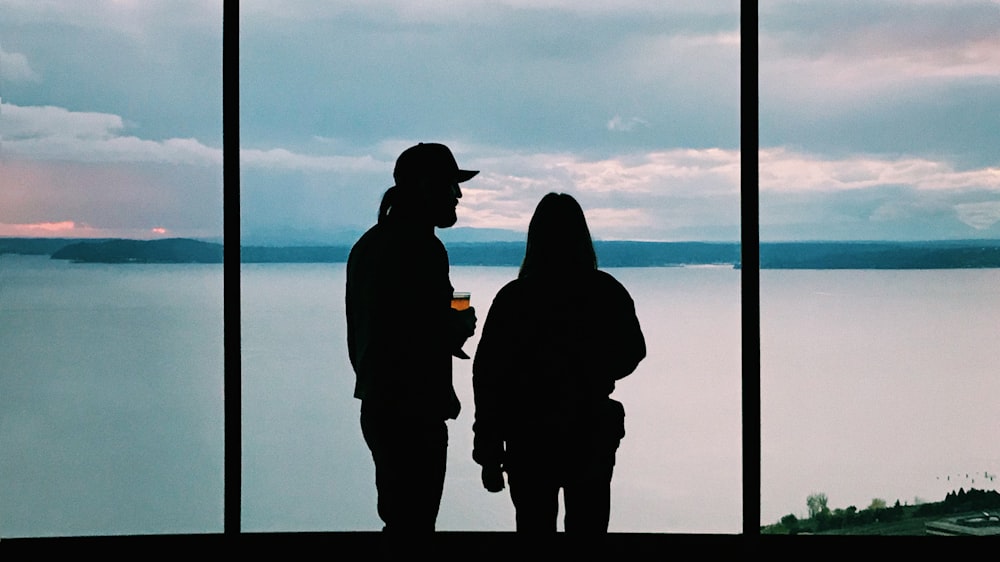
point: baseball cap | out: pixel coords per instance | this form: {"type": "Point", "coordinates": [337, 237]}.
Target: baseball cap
{"type": "Point", "coordinates": [429, 160]}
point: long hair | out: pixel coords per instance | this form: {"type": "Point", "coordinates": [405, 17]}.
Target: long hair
{"type": "Point", "coordinates": [558, 238]}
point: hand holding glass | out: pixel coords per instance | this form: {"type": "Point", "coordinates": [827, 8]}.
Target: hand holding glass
{"type": "Point", "coordinates": [461, 301]}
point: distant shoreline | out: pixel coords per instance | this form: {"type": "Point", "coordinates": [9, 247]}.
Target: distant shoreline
{"type": "Point", "coordinates": [957, 254]}
{"type": "Point", "coordinates": [899, 519]}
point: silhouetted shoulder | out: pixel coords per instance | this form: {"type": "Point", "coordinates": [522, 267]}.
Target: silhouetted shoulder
{"type": "Point", "coordinates": [603, 286]}
{"type": "Point", "coordinates": [512, 288]}
{"type": "Point", "coordinates": [605, 278]}
{"type": "Point", "coordinates": [593, 282]}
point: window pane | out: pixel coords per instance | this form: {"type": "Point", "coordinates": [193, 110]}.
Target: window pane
{"type": "Point", "coordinates": [633, 109]}
{"type": "Point", "coordinates": [878, 123]}
{"type": "Point", "coordinates": [111, 363]}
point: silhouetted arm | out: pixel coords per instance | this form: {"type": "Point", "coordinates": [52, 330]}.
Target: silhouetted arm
{"type": "Point", "coordinates": [632, 343]}
{"type": "Point", "coordinates": [623, 345]}
{"type": "Point", "coordinates": [489, 370]}
{"type": "Point", "coordinates": [462, 324]}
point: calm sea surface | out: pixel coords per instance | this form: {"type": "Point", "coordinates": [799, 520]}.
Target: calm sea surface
{"type": "Point", "coordinates": [306, 466]}
{"type": "Point", "coordinates": [878, 384]}
{"type": "Point", "coordinates": [875, 384]}
{"type": "Point", "coordinates": [111, 418]}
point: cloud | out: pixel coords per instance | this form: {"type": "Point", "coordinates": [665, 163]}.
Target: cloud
{"type": "Point", "coordinates": [662, 217]}
{"type": "Point", "coordinates": [50, 227]}
{"type": "Point", "coordinates": [618, 124]}
{"type": "Point", "coordinates": [71, 229]}
{"type": "Point", "coordinates": [21, 123]}
{"type": "Point", "coordinates": [836, 53]}
{"type": "Point", "coordinates": [979, 215]}
{"type": "Point", "coordinates": [882, 76]}
{"type": "Point", "coordinates": [283, 159]}
{"type": "Point", "coordinates": [63, 229]}
{"type": "Point", "coordinates": [636, 195]}
{"type": "Point", "coordinates": [608, 219]}
{"type": "Point", "coordinates": [783, 170]}
{"type": "Point", "coordinates": [55, 133]}
{"type": "Point", "coordinates": [867, 196]}
{"type": "Point", "coordinates": [135, 18]}
{"type": "Point", "coordinates": [715, 170]}
{"type": "Point", "coordinates": [879, 213]}
{"type": "Point", "coordinates": [548, 78]}
{"type": "Point", "coordinates": [448, 11]}
{"type": "Point", "coordinates": [101, 198]}
{"type": "Point", "coordinates": [686, 171]}
{"type": "Point", "coordinates": [110, 123]}
{"type": "Point", "coordinates": [14, 67]}
{"type": "Point", "coordinates": [639, 194]}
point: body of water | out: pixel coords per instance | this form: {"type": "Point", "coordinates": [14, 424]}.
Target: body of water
{"type": "Point", "coordinates": [878, 384]}
{"type": "Point", "coordinates": [306, 466]}
{"type": "Point", "coordinates": [875, 384]}
{"type": "Point", "coordinates": [111, 387]}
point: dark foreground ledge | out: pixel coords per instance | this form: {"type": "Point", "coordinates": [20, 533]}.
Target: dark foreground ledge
{"type": "Point", "coordinates": [473, 546]}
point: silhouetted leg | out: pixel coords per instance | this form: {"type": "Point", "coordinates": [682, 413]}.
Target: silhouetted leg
{"type": "Point", "coordinates": [588, 501]}
{"type": "Point", "coordinates": [410, 460]}
{"type": "Point", "coordinates": [536, 502]}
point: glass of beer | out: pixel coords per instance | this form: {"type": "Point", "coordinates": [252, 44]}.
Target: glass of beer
{"type": "Point", "coordinates": [460, 300]}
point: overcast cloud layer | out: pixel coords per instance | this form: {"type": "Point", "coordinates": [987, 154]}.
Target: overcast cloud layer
{"type": "Point", "coordinates": [111, 118]}
{"type": "Point", "coordinates": [634, 110]}
{"type": "Point", "coordinates": [879, 119]}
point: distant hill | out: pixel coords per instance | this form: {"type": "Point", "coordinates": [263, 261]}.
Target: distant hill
{"type": "Point", "coordinates": [298, 237]}
{"type": "Point", "coordinates": [38, 246]}
{"type": "Point", "coordinates": [772, 255]}
{"type": "Point", "coordinates": [880, 255]}
{"type": "Point", "coordinates": [609, 254]}
{"type": "Point", "coordinates": [294, 254]}
{"type": "Point", "coordinates": [170, 250]}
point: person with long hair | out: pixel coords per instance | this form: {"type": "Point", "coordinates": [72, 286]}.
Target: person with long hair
{"type": "Point", "coordinates": [555, 341]}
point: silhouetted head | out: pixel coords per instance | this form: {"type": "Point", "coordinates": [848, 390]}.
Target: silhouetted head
{"type": "Point", "coordinates": [558, 238]}
{"type": "Point", "coordinates": [426, 190]}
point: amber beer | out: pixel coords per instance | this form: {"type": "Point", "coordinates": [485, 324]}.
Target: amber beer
{"type": "Point", "coordinates": [460, 301]}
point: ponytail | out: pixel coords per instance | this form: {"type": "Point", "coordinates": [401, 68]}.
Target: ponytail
{"type": "Point", "coordinates": [388, 200]}
{"type": "Point", "coordinates": [399, 199]}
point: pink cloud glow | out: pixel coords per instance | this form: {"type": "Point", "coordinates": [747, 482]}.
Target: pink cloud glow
{"type": "Point", "coordinates": [62, 229]}
{"type": "Point", "coordinates": [72, 229]}
{"type": "Point", "coordinates": [123, 200]}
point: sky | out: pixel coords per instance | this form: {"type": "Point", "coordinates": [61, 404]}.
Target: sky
{"type": "Point", "coordinates": [111, 118]}
{"type": "Point", "coordinates": [878, 119]}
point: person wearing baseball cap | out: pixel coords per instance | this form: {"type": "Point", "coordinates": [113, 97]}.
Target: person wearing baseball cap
{"type": "Point", "coordinates": [427, 178]}
{"type": "Point", "coordinates": [402, 334]}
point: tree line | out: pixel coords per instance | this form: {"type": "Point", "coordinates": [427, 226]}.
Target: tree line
{"type": "Point", "coordinates": [822, 518]}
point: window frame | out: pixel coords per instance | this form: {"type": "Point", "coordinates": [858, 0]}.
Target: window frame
{"type": "Point", "coordinates": [749, 146]}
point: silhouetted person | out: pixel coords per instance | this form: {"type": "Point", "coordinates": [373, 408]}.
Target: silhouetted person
{"type": "Point", "coordinates": [554, 342]}
{"type": "Point", "coordinates": [402, 334]}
